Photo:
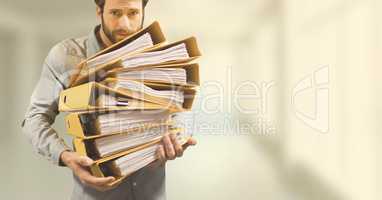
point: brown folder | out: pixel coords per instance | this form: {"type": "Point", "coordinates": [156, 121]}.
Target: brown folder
{"type": "Point", "coordinates": [192, 73]}
{"type": "Point", "coordinates": [191, 46]}
{"type": "Point", "coordinates": [84, 74]}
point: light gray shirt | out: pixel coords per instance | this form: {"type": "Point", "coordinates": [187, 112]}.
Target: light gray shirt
{"type": "Point", "coordinates": [147, 183]}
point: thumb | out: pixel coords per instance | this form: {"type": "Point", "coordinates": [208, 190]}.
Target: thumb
{"type": "Point", "coordinates": [190, 142]}
{"type": "Point", "coordinates": [85, 161]}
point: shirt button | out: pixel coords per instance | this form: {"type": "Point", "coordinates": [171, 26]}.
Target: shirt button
{"type": "Point", "coordinates": [134, 184]}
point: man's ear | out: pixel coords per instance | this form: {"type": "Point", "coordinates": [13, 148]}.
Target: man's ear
{"type": "Point", "coordinates": [99, 13]}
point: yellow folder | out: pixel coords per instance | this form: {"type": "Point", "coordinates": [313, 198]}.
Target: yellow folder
{"type": "Point", "coordinates": [99, 168]}
{"type": "Point", "coordinates": [87, 147]}
{"type": "Point", "coordinates": [189, 94]}
{"type": "Point", "coordinates": [79, 125]}
{"type": "Point", "coordinates": [192, 73]}
{"type": "Point", "coordinates": [84, 98]}
{"type": "Point", "coordinates": [82, 73]}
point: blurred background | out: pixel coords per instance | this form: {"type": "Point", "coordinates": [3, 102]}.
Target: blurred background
{"type": "Point", "coordinates": [288, 106]}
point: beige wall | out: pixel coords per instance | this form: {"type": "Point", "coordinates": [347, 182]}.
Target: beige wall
{"type": "Point", "coordinates": [343, 36]}
{"type": "Point", "coordinates": [279, 43]}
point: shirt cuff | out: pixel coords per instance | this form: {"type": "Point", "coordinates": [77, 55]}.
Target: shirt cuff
{"type": "Point", "coordinates": [58, 149]}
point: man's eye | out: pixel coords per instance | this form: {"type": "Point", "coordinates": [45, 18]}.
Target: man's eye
{"type": "Point", "coordinates": [132, 13]}
{"type": "Point", "coordinates": [116, 13]}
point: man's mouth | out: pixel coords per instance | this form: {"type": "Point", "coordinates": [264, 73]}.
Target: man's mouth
{"type": "Point", "coordinates": [123, 34]}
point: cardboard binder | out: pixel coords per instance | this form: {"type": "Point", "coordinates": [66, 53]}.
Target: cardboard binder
{"type": "Point", "coordinates": [86, 147]}
{"type": "Point", "coordinates": [84, 98]}
{"type": "Point", "coordinates": [83, 73]}
{"type": "Point", "coordinates": [189, 94]}
{"type": "Point", "coordinates": [100, 169]}
{"type": "Point", "coordinates": [192, 73]}
{"type": "Point", "coordinates": [191, 46]}
{"type": "Point", "coordinates": [78, 125]}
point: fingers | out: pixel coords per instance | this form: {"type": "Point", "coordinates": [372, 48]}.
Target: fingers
{"type": "Point", "coordinates": [177, 147]}
{"type": "Point", "coordinates": [86, 178]}
{"type": "Point", "coordinates": [169, 149]}
{"type": "Point", "coordinates": [85, 161]}
{"type": "Point", "coordinates": [161, 155]}
{"type": "Point", "coordinates": [105, 187]}
{"type": "Point", "coordinates": [90, 180]}
{"type": "Point", "coordinates": [190, 142]}
{"type": "Point", "coordinates": [80, 164]}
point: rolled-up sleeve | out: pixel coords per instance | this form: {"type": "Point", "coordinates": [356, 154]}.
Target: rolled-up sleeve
{"type": "Point", "coordinates": [41, 114]}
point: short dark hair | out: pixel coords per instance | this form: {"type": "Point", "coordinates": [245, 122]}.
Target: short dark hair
{"type": "Point", "coordinates": [101, 3]}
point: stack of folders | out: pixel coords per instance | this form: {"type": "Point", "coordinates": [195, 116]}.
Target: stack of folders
{"type": "Point", "coordinates": [121, 101]}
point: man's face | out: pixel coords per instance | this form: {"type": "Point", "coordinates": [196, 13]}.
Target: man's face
{"type": "Point", "coordinates": [121, 18]}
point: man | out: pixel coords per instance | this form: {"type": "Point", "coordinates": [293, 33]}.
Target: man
{"type": "Point", "coordinates": [118, 19]}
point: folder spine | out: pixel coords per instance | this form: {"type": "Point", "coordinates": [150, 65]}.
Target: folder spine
{"type": "Point", "coordinates": [74, 98]}
{"type": "Point", "coordinates": [79, 146]}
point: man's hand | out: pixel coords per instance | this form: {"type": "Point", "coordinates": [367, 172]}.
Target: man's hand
{"type": "Point", "coordinates": [170, 148]}
{"type": "Point", "coordinates": [79, 165]}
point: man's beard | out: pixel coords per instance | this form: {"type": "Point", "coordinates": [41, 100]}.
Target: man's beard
{"type": "Point", "coordinates": [109, 34]}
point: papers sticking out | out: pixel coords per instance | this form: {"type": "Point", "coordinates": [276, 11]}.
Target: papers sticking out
{"type": "Point", "coordinates": [120, 121]}
{"type": "Point", "coordinates": [168, 75]}
{"type": "Point", "coordinates": [178, 52]}
{"type": "Point", "coordinates": [170, 95]}
{"type": "Point", "coordinates": [128, 164]}
{"type": "Point", "coordinates": [131, 163]}
{"type": "Point", "coordinates": [141, 43]}
{"type": "Point", "coordinates": [113, 144]}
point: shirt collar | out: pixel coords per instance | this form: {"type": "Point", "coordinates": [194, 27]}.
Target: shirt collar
{"type": "Point", "coordinates": [92, 43]}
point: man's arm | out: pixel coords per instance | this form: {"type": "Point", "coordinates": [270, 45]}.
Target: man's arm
{"type": "Point", "coordinates": [40, 116]}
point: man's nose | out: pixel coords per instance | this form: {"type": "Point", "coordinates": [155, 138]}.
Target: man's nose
{"type": "Point", "coordinates": [124, 23]}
